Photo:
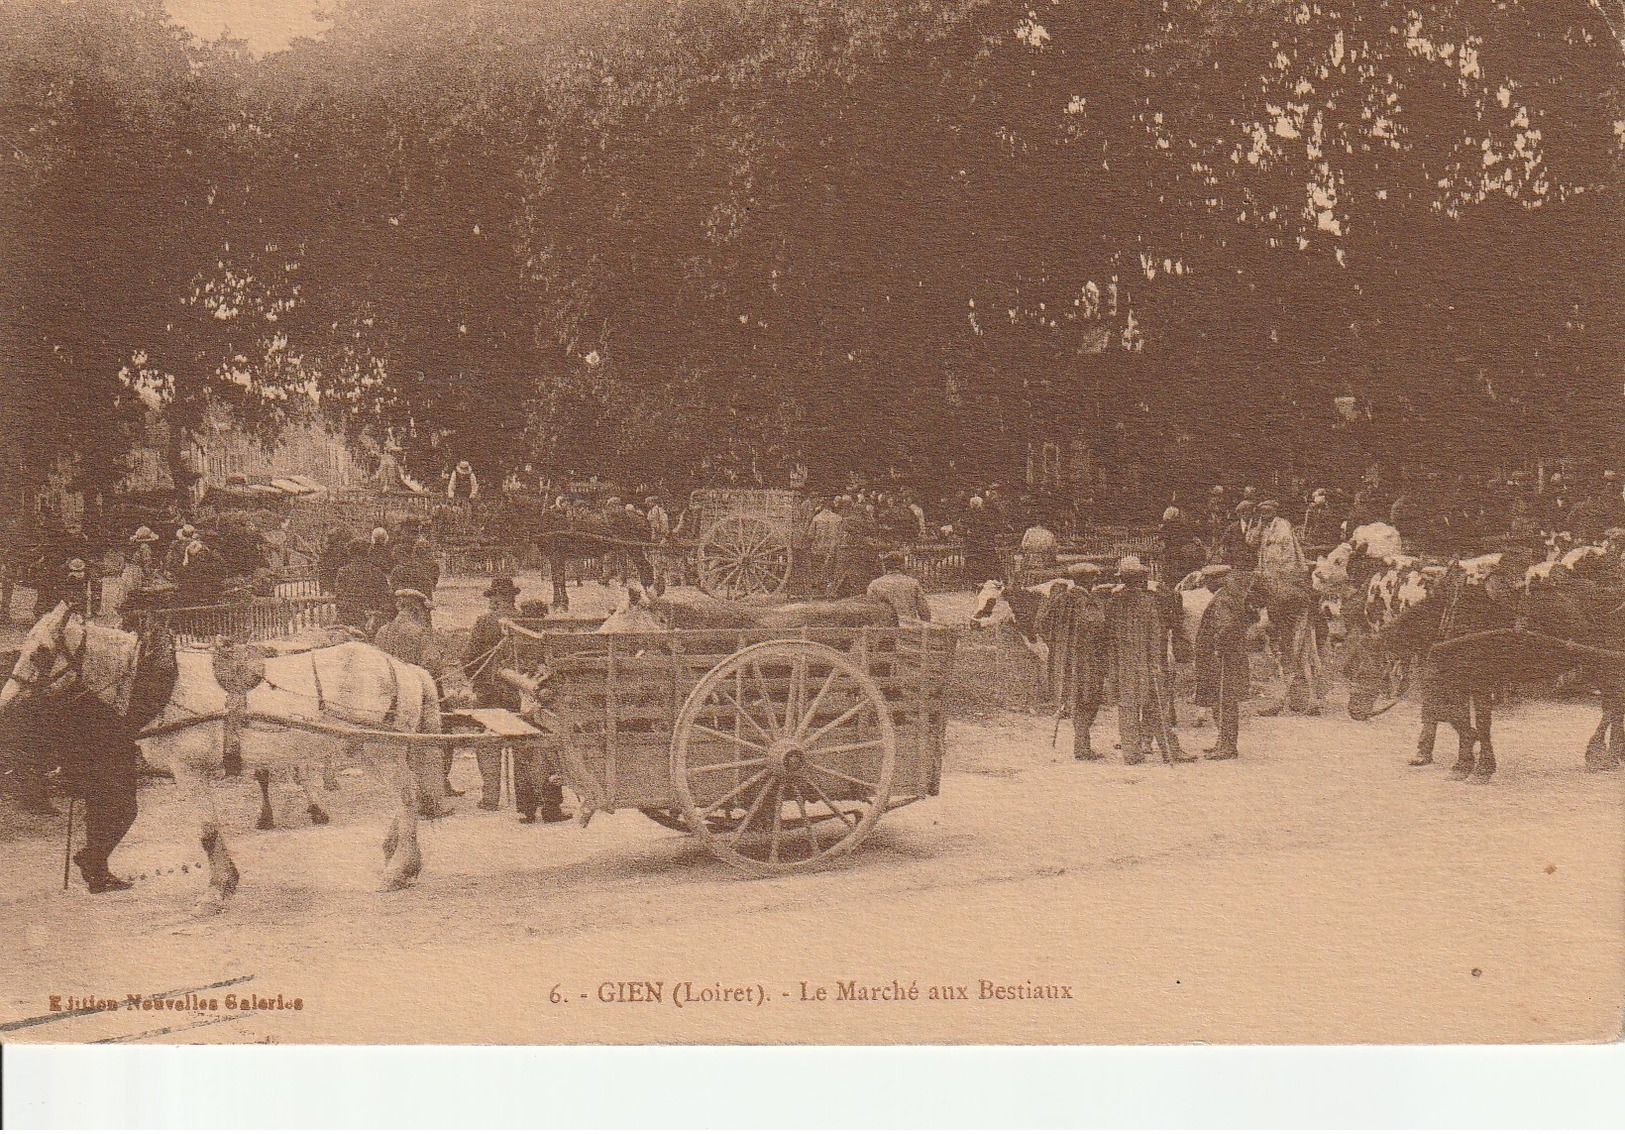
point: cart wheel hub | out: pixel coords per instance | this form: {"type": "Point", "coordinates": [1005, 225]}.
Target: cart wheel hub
{"type": "Point", "coordinates": [787, 757]}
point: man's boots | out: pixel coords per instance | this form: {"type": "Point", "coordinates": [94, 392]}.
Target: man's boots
{"type": "Point", "coordinates": [490, 765]}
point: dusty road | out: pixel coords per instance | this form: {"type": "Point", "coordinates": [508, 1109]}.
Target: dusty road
{"type": "Point", "coordinates": [1316, 890]}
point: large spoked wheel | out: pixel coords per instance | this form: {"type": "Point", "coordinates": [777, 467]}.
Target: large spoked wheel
{"type": "Point", "coordinates": [783, 756]}
{"type": "Point", "coordinates": [742, 556]}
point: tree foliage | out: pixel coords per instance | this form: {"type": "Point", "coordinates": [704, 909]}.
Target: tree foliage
{"type": "Point", "coordinates": [644, 238]}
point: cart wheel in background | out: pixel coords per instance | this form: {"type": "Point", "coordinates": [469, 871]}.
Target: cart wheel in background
{"type": "Point", "coordinates": [743, 555]}
{"type": "Point", "coordinates": [783, 756]}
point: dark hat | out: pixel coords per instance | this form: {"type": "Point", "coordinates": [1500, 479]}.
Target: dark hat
{"type": "Point", "coordinates": [414, 593]}
{"type": "Point", "coordinates": [502, 585]}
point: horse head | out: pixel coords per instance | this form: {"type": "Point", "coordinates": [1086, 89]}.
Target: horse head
{"type": "Point", "coordinates": [45, 659]}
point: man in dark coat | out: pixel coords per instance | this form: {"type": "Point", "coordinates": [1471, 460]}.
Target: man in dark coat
{"type": "Point", "coordinates": [1177, 546]}
{"type": "Point", "coordinates": [361, 590]}
{"type": "Point", "coordinates": [1234, 548]}
{"type": "Point", "coordinates": [1137, 622]}
{"type": "Point", "coordinates": [1222, 674]}
{"type": "Point", "coordinates": [979, 529]}
{"type": "Point", "coordinates": [334, 555]}
{"type": "Point", "coordinates": [1084, 648]}
{"type": "Point", "coordinates": [417, 569]}
{"type": "Point", "coordinates": [535, 793]}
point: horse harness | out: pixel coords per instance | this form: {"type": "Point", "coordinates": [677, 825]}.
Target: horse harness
{"type": "Point", "coordinates": [240, 668]}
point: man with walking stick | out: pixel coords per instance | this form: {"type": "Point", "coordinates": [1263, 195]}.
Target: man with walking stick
{"type": "Point", "coordinates": [1222, 674]}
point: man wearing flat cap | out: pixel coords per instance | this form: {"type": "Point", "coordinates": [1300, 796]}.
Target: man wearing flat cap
{"type": "Point", "coordinates": [900, 589]}
{"type": "Point", "coordinates": [1137, 622]}
{"type": "Point", "coordinates": [408, 637]}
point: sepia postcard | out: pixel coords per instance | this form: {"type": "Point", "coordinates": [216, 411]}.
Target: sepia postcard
{"type": "Point", "coordinates": [811, 522]}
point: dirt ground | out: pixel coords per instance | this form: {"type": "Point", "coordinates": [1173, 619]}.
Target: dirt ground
{"type": "Point", "coordinates": [1317, 890]}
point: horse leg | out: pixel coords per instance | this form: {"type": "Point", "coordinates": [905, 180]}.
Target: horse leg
{"type": "Point", "coordinates": [231, 747]}
{"type": "Point", "coordinates": [404, 858]}
{"type": "Point", "coordinates": [223, 874]}
{"type": "Point", "coordinates": [1604, 749]}
{"type": "Point", "coordinates": [267, 820]}
{"type": "Point", "coordinates": [1486, 747]}
{"type": "Point", "coordinates": [1424, 742]}
{"type": "Point", "coordinates": [302, 776]}
{"type": "Point", "coordinates": [1597, 746]}
{"type": "Point", "coordinates": [1463, 767]}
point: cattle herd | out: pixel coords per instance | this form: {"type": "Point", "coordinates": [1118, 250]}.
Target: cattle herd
{"type": "Point", "coordinates": [1462, 632]}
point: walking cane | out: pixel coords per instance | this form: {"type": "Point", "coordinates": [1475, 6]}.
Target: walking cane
{"type": "Point", "coordinates": [67, 843]}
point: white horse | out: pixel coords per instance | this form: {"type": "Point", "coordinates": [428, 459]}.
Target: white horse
{"type": "Point", "coordinates": [353, 686]}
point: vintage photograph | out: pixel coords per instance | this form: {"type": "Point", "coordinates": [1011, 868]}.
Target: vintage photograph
{"type": "Point", "coordinates": [811, 522]}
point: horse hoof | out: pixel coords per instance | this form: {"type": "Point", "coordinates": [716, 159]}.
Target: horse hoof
{"type": "Point", "coordinates": [1480, 777]}
{"type": "Point", "coordinates": [389, 883]}
{"type": "Point", "coordinates": [318, 817]}
{"type": "Point", "coordinates": [265, 823]}
{"type": "Point", "coordinates": [209, 905]}
{"type": "Point", "coordinates": [1459, 773]}
{"type": "Point", "coordinates": [1421, 761]}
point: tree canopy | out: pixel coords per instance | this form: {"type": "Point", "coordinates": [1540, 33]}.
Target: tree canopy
{"type": "Point", "coordinates": [638, 236]}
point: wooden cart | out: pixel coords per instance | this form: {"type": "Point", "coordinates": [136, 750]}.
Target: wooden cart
{"type": "Point", "coordinates": [744, 540]}
{"type": "Point", "coordinates": [779, 750]}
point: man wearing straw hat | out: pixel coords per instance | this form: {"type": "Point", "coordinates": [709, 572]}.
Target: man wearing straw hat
{"type": "Point", "coordinates": [463, 485]}
{"type": "Point", "coordinates": [175, 554]}
{"type": "Point", "coordinates": [143, 572]}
